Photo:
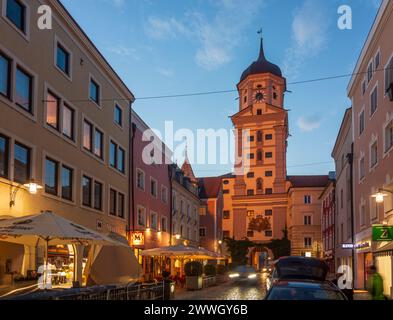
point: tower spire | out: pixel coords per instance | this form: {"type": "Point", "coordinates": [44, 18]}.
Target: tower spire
{"type": "Point", "coordinates": [261, 51]}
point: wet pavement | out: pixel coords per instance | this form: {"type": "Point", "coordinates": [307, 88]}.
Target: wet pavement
{"type": "Point", "coordinates": [231, 290]}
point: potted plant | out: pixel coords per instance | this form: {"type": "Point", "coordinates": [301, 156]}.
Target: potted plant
{"type": "Point", "coordinates": [193, 271]}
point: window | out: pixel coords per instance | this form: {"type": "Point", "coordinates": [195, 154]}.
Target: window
{"type": "Point", "coordinates": [52, 110]}
{"type": "Point", "coordinates": [374, 154]}
{"type": "Point", "coordinates": [140, 179]}
{"type": "Point", "coordinates": [269, 137]}
{"type": "Point", "coordinates": [63, 59]}
{"type": "Point", "coordinates": [153, 187]}
{"type": "Point", "coordinates": [87, 135]}
{"type": "Point", "coordinates": [118, 114]}
{"type": "Point", "coordinates": [369, 72]}
{"type": "Point", "coordinates": [268, 173]}
{"type": "Point", "coordinates": [269, 155]}
{"type": "Point", "coordinates": [98, 195]}
{"type": "Point", "coordinates": [250, 175]}
{"type": "Point", "coordinates": [250, 192]}
{"type": "Point", "coordinates": [5, 76]}
{"type": "Point", "coordinates": [342, 199]}
{"type": "Point", "coordinates": [164, 194]}
{"type": "Point", "coordinates": [250, 156]}
{"type": "Point", "coordinates": [250, 233]}
{"type": "Point", "coordinates": [202, 211]}
{"type": "Point", "coordinates": [51, 176]}
{"type": "Point", "coordinates": [141, 216]}
{"type": "Point", "coordinates": [112, 202]}
{"type": "Point", "coordinates": [24, 88]}
{"type": "Point", "coordinates": [22, 161]}
{"type": "Point", "coordinates": [268, 233]}
{"type": "Point", "coordinates": [388, 74]}
{"type": "Point", "coordinates": [374, 100]}
{"type": "Point", "coordinates": [259, 155]}
{"type": "Point", "coordinates": [307, 242]}
{"type": "Point", "coordinates": [226, 234]}
{"type": "Point", "coordinates": [259, 136]}
{"type": "Point", "coordinates": [94, 91]}
{"type": "Point", "coordinates": [268, 191]}
{"type": "Point", "coordinates": [389, 136]}
{"type": "Point", "coordinates": [116, 157]}
{"type": "Point", "coordinates": [98, 143]}
{"type": "Point", "coordinates": [225, 182]}
{"type": "Point", "coordinates": [86, 191]}
{"type": "Point", "coordinates": [120, 206]}
{"type": "Point", "coordinates": [120, 159]}
{"type": "Point", "coordinates": [363, 87]}
{"type": "Point", "coordinates": [4, 154]}
{"type": "Point", "coordinates": [226, 191]}
{"type": "Point", "coordinates": [307, 199]}
{"type": "Point", "coordinates": [307, 220]}
{"type": "Point", "coordinates": [362, 214]}
{"type": "Point", "coordinates": [377, 60]}
{"type": "Point", "coordinates": [361, 122]}
{"type": "Point", "coordinates": [259, 184]}
{"type": "Point", "coordinates": [66, 183]}
{"type": "Point", "coordinates": [16, 13]}
{"type": "Point", "coordinates": [251, 138]}
{"type": "Point", "coordinates": [361, 168]}
{"type": "Point", "coordinates": [226, 214]}
{"type": "Point", "coordinates": [259, 112]}
{"type": "Point", "coordinates": [68, 122]}
{"type": "Point", "coordinates": [202, 232]}
{"type": "Point", "coordinates": [268, 212]}
{"type": "Point", "coordinates": [164, 227]}
{"type": "Point", "coordinates": [153, 220]}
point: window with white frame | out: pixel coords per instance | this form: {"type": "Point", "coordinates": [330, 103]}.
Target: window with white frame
{"type": "Point", "coordinates": [140, 179]}
{"type": "Point", "coordinates": [16, 12]}
{"type": "Point", "coordinates": [153, 187]}
{"type": "Point", "coordinates": [362, 211]}
{"type": "Point", "coordinates": [307, 199]}
{"type": "Point", "coordinates": [307, 220]}
{"type": "Point", "coordinates": [363, 87]}
{"type": "Point", "coordinates": [388, 136]}
{"type": "Point", "coordinates": [361, 122]}
{"type": "Point", "coordinates": [377, 60]}
{"type": "Point", "coordinates": [362, 168]}
{"type": "Point", "coordinates": [307, 242]}
{"type": "Point", "coordinates": [164, 227]}
{"type": "Point", "coordinates": [153, 220]}
{"type": "Point", "coordinates": [373, 208]}
{"type": "Point", "coordinates": [374, 100]}
{"type": "Point", "coordinates": [369, 72]}
{"type": "Point", "coordinates": [389, 74]}
{"type": "Point", "coordinates": [141, 216]}
{"type": "Point", "coordinates": [374, 154]}
{"type": "Point", "coordinates": [164, 194]}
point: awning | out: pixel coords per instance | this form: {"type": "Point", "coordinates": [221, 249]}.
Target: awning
{"type": "Point", "coordinates": [182, 252]}
{"type": "Point", "coordinates": [386, 250]}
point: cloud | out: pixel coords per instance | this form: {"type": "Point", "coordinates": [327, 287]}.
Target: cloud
{"type": "Point", "coordinates": [309, 35]}
{"type": "Point", "coordinates": [124, 52]}
{"type": "Point", "coordinates": [216, 35]}
{"type": "Point", "coordinates": [159, 28]}
{"type": "Point", "coordinates": [309, 123]}
{"type": "Point", "coordinates": [165, 72]}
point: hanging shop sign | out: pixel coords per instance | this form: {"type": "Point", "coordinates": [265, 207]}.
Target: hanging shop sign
{"type": "Point", "coordinates": [382, 233]}
{"type": "Point", "coordinates": [137, 239]}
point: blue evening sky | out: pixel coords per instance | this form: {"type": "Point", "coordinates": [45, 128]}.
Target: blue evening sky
{"type": "Point", "coordinates": [176, 46]}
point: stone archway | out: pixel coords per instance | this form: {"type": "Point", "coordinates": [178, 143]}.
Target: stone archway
{"type": "Point", "coordinates": [259, 256]}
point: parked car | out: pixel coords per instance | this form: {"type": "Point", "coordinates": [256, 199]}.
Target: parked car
{"type": "Point", "coordinates": [244, 273]}
{"type": "Point", "coordinates": [302, 268]}
{"type": "Point", "coordinates": [297, 289]}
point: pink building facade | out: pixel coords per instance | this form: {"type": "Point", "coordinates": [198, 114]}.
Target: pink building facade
{"type": "Point", "coordinates": [150, 214]}
{"type": "Point", "coordinates": [370, 91]}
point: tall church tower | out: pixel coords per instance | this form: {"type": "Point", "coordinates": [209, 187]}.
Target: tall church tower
{"type": "Point", "coordinates": [256, 201]}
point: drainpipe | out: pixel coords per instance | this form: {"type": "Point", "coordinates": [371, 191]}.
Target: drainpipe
{"type": "Point", "coordinates": [131, 226]}
{"type": "Point", "coordinates": [350, 160]}
{"type": "Point", "coordinates": [170, 174]}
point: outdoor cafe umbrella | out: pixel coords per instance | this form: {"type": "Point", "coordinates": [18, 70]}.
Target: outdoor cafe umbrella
{"type": "Point", "coordinates": [182, 251]}
{"type": "Point", "coordinates": [52, 229]}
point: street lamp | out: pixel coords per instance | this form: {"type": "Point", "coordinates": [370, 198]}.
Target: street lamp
{"type": "Point", "coordinates": [32, 187]}
{"type": "Point", "coordinates": [177, 236]}
{"type": "Point", "coordinates": [380, 195]}
{"type": "Point", "coordinates": [219, 241]}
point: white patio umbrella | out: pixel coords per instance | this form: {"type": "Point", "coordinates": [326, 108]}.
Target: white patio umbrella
{"type": "Point", "coordinates": [168, 251]}
{"type": "Point", "coordinates": [53, 230]}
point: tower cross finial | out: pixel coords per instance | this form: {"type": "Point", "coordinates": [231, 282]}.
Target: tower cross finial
{"type": "Point", "coordinates": [260, 32]}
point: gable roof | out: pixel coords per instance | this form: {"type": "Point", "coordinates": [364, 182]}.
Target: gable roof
{"type": "Point", "coordinates": [308, 181]}
{"type": "Point", "coordinates": [209, 187]}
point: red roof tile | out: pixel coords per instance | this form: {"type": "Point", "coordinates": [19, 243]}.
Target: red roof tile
{"type": "Point", "coordinates": [308, 181]}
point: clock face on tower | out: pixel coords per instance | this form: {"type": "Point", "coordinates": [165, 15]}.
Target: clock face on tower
{"type": "Point", "coordinates": [259, 96]}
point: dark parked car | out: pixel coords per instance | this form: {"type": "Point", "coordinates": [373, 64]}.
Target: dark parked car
{"type": "Point", "coordinates": [304, 290]}
{"type": "Point", "coordinates": [297, 268]}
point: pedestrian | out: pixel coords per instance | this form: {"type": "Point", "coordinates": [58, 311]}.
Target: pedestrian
{"type": "Point", "coordinates": [375, 284]}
